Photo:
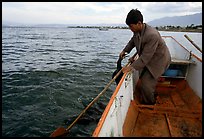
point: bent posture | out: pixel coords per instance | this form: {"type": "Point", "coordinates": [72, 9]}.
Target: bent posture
{"type": "Point", "coordinates": [154, 57]}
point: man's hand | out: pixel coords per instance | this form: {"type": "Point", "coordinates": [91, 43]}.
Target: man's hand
{"type": "Point", "coordinates": [131, 59]}
{"type": "Point", "coordinates": [122, 54]}
{"type": "Point", "coordinates": [127, 69]}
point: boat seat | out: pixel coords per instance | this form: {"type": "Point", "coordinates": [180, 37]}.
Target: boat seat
{"type": "Point", "coordinates": [178, 68]}
{"type": "Point", "coordinates": [181, 61]}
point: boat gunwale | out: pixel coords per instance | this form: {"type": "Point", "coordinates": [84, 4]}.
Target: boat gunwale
{"type": "Point", "coordinates": [105, 113]}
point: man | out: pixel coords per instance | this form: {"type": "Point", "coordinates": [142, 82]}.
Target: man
{"type": "Point", "coordinates": [154, 57]}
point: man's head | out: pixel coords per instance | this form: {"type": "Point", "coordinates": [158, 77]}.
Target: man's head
{"type": "Point", "coordinates": [135, 20]}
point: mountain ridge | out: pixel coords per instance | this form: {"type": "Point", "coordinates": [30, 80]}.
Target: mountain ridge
{"type": "Point", "coordinates": [186, 20]}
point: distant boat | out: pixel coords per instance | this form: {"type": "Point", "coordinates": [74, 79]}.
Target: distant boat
{"type": "Point", "coordinates": [103, 29]}
{"type": "Point", "coordinates": [177, 112]}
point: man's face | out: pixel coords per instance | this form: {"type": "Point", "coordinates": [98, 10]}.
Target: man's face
{"type": "Point", "coordinates": [135, 27]}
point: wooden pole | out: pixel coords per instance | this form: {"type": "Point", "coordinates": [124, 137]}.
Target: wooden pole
{"type": "Point", "coordinates": [193, 43]}
{"type": "Point", "coordinates": [61, 131]}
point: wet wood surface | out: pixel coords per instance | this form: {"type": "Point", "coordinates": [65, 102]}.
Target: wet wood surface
{"type": "Point", "coordinates": [177, 112]}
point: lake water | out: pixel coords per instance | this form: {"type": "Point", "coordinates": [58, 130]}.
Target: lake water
{"type": "Point", "coordinates": [49, 75]}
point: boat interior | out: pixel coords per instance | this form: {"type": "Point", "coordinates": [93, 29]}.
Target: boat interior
{"type": "Point", "coordinates": [177, 112]}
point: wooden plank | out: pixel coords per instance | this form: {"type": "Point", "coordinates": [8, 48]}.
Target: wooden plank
{"type": "Point", "coordinates": [196, 46]}
{"type": "Point", "coordinates": [151, 125]}
{"type": "Point", "coordinates": [169, 125]}
{"type": "Point", "coordinates": [177, 100]}
{"type": "Point", "coordinates": [181, 61]}
{"type": "Point", "coordinates": [172, 116]}
{"type": "Point", "coordinates": [185, 127]}
{"type": "Point", "coordinates": [172, 113]}
{"type": "Point", "coordinates": [170, 109]}
{"type": "Point", "coordinates": [130, 120]}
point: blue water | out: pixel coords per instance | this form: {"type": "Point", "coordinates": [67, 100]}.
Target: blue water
{"type": "Point", "coordinates": [46, 71]}
{"type": "Point", "coordinates": [49, 75]}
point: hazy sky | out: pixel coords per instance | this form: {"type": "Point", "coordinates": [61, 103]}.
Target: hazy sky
{"type": "Point", "coordinates": [91, 12]}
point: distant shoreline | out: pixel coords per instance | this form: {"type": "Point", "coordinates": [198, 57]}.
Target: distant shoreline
{"type": "Point", "coordinates": [182, 30]}
{"type": "Point", "coordinates": [114, 27]}
{"type": "Point", "coordinates": [117, 27]}
{"type": "Point", "coordinates": [171, 30]}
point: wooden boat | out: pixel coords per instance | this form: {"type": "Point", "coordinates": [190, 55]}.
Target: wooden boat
{"type": "Point", "coordinates": [178, 109]}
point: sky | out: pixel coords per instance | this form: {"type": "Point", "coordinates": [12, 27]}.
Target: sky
{"type": "Point", "coordinates": [91, 12]}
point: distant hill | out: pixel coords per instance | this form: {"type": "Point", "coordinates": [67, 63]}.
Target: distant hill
{"type": "Point", "coordinates": [183, 21]}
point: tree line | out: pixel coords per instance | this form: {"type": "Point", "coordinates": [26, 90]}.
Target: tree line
{"type": "Point", "coordinates": [191, 27]}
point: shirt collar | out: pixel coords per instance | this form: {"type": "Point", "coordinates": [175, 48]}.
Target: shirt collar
{"type": "Point", "coordinates": [142, 32]}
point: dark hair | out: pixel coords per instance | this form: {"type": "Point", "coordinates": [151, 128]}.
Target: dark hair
{"type": "Point", "coordinates": [134, 16]}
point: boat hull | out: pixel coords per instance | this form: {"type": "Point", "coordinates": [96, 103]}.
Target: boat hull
{"type": "Point", "coordinates": [178, 109]}
{"type": "Point", "coordinates": [115, 112]}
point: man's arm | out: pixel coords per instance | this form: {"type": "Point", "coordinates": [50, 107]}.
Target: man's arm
{"type": "Point", "coordinates": [127, 48]}
{"type": "Point", "coordinates": [132, 59]}
{"type": "Point", "coordinates": [147, 53]}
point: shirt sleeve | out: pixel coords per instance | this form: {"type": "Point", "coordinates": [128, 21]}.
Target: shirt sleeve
{"type": "Point", "coordinates": [130, 45]}
{"type": "Point", "coordinates": [148, 51]}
